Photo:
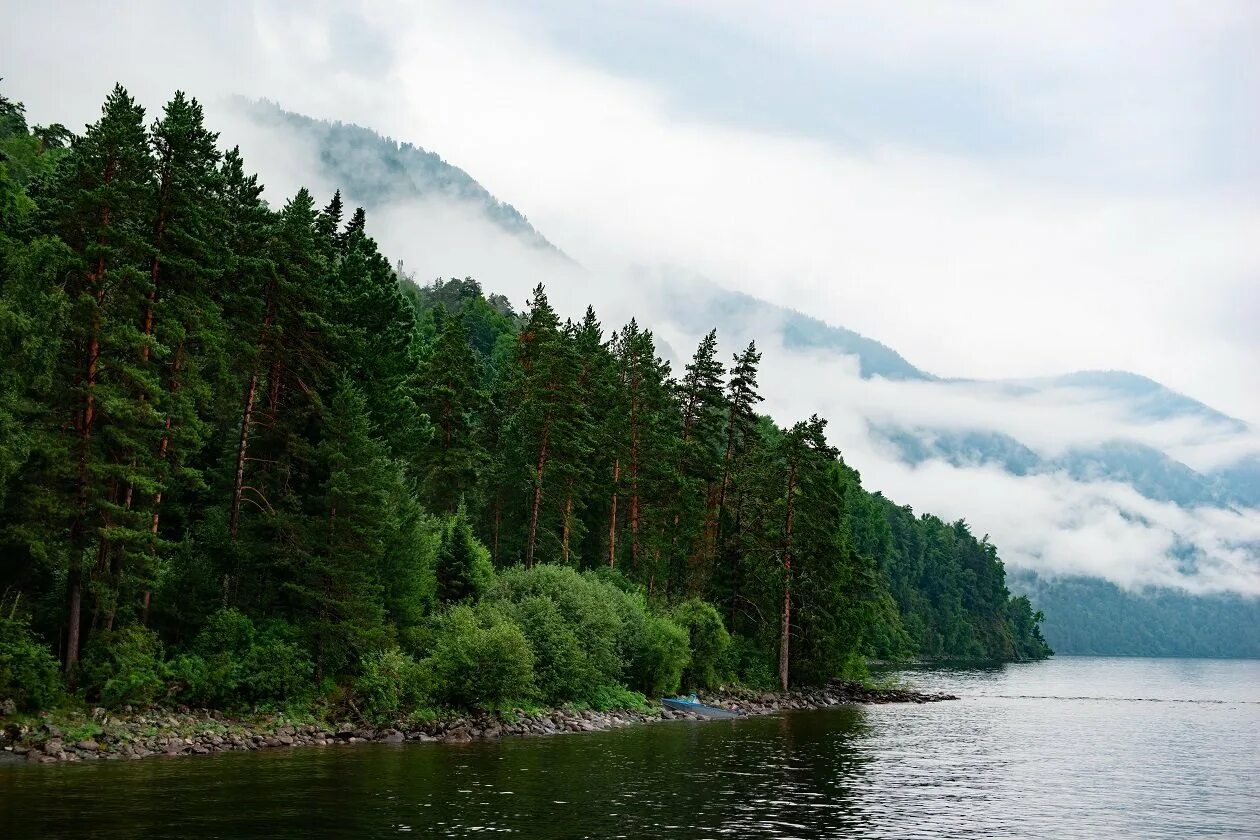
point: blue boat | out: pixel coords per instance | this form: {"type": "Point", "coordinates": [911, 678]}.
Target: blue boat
{"type": "Point", "coordinates": [692, 704]}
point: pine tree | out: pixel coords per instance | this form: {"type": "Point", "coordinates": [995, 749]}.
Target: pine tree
{"type": "Point", "coordinates": [702, 404]}
{"type": "Point", "coordinates": [542, 363]}
{"type": "Point", "coordinates": [335, 564]}
{"type": "Point", "coordinates": [97, 204]}
{"type": "Point", "coordinates": [461, 567]}
{"type": "Point", "coordinates": [452, 400]}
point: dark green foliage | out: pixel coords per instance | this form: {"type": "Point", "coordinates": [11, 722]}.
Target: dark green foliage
{"type": "Point", "coordinates": [658, 656]}
{"type": "Point", "coordinates": [246, 461]}
{"type": "Point", "coordinates": [28, 670]}
{"type": "Point", "coordinates": [478, 658]}
{"type": "Point", "coordinates": [463, 567]}
{"type": "Point", "coordinates": [124, 667]}
{"type": "Point", "coordinates": [708, 641]}
{"type": "Point", "coordinates": [390, 683]}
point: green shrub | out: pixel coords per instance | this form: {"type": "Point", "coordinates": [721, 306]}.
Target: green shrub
{"type": "Point", "coordinates": [562, 670]}
{"type": "Point", "coordinates": [190, 679]}
{"type": "Point", "coordinates": [124, 667]}
{"type": "Point", "coordinates": [748, 663]}
{"type": "Point", "coordinates": [660, 654]}
{"type": "Point", "coordinates": [606, 698]}
{"type": "Point", "coordinates": [390, 683]}
{"type": "Point", "coordinates": [229, 631]}
{"type": "Point", "coordinates": [591, 608]}
{"type": "Point", "coordinates": [28, 670]}
{"type": "Point", "coordinates": [479, 658]}
{"type": "Point", "coordinates": [707, 638]}
{"type": "Point", "coordinates": [276, 671]}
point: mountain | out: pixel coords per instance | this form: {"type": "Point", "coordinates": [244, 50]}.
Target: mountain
{"type": "Point", "coordinates": [377, 170]}
{"type": "Point", "coordinates": [1088, 616]}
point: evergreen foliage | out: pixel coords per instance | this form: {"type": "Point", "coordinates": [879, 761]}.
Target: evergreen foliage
{"type": "Point", "coordinates": [245, 461]}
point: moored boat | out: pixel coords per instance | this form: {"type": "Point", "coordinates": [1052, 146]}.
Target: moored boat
{"type": "Point", "coordinates": [693, 705]}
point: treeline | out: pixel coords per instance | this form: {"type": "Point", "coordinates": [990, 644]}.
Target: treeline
{"type": "Point", "coordinates": [243, 461]}
{"type": "Point", "coordinates": [1089, 616]}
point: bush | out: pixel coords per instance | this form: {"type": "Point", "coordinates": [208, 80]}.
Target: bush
{"type": "Point", "coordinates": [707, 638]}
{"type": "Point", "coordinates": [562, 670]}
{"type": "Point", "coordinates": [28, 670]}
{"type": "Point", "coordinates": [124, 667]}
{"type": "Point", "coordinates": [659, 656]}
{"type": "Point", "coordinates": [231, 664]}
{"type": "Point", "coordinates": [479, 657]}
{"type": "Point", "coordinates": [276, 669]}
{"type": "Point", "coordinates": [744, 661]}
{"type": "Point", "coordinates": [589, 607]}
{"type": "Point", "coordinates": [390, 684]}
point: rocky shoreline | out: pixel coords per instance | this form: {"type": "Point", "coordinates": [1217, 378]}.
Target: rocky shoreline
{"type": "Point", "coordinates": [108, 736]}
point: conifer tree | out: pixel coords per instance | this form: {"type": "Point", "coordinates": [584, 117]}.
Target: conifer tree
{"type": "Point", "coordinates": [451, 399]}
{"type": "Point", "coordinates": [96, 203]}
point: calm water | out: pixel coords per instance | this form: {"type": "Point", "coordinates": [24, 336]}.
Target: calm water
{"type": "Point", "coordinates": [1074, 747]}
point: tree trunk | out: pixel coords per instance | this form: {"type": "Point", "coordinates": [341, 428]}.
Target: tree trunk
{"type": "Point", "coordinates": [568, 524]}
{"type": "Point", "coordinates": [785, 629]}
{"type": "Point", "coordinates": [612, 516]}
{"type": "Point", "coordinates": [78, 527]}
{"type": "Point", "coordinates": [242, 449]}
{"type": "Point", "coordinates": [538, 486]}
{"type": "Point", "coordinates": [238, 485]}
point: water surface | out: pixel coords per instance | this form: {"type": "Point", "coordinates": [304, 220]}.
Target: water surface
{"type": "Point", "coordinates": [1073, 747]}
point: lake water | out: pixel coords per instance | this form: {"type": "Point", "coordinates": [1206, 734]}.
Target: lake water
{"type": "Point", "coordinates": [1072, 747]}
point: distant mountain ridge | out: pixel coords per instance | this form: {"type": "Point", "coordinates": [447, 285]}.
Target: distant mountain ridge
{"type": "Point", "coordinates": [376, 170]}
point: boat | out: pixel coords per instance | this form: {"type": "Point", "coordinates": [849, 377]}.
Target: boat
{"type": "Point", "coordinates": [692, 704]}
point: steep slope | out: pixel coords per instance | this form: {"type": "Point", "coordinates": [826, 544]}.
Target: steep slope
{"type": "Point", "coordinates": [373, 170]}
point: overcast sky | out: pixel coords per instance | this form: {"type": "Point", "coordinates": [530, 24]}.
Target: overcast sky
{"type": "Point", "coordinates": [1010, 189]}
{"type": "Point", "coordinates": [993, 189]}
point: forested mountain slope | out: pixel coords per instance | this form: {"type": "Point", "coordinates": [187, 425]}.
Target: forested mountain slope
{"type": "Point", "coordinates": [1091, 616]}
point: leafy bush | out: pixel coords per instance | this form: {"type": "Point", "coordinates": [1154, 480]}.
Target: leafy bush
{"type": "Point", "coordinates": [562, 669]}
{"type": "Point", "coordinates": [707, 638]}
{"type": "Point", "coordinates": [124, 667]}
{"type": "Point", "coordinates": [659, 656]}
{"type": "Point", "coordinates": [746, 662]}
{"type": "Point", "coordinates": [28, 670]}
{"type": "Point", "coordinates": [591, 609]}
{"type": "Point", "coordinates": [231, 663]}
{"type": "Point", "coordinates": [389, 684]}
{"type": "Point", "coordinates": [277, 669]}
{"type": "Point", "coordinates": [479, 657]}
{"type": "Point", "coordinates": [606, 698]}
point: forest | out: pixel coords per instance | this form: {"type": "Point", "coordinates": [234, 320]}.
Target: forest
{"type": "Point", "coordinates": [245, 463]}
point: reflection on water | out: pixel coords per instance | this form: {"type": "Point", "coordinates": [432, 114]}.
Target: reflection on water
{"type": "Point", "coordinates": [1018, 755]}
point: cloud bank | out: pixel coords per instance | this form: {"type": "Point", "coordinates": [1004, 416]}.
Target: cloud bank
{"type": "Point", "coordinates": [1093, 235]}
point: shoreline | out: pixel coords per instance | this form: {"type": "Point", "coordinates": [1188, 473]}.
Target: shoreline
{"type": "Point", "coordinates": [153, 733]}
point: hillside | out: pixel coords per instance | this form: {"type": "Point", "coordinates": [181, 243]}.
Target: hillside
{"type": "Point", "coordinates": [1086, 616]}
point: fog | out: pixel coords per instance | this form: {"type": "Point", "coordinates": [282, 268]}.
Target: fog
{"type": "Point", "coordinates": [1097, 248]}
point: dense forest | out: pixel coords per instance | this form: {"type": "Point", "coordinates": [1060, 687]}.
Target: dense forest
{"type": "Point", "coordinates": [245, 463]}
{"type": "Point", "coordinates": [1088, 616]}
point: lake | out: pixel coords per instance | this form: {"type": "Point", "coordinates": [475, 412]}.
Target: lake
{"type": "Point", "coordinates": [1071, 747]}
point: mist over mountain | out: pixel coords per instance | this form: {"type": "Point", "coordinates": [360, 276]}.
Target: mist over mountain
{"type": "Point", "coordinates": [1088, 474]}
